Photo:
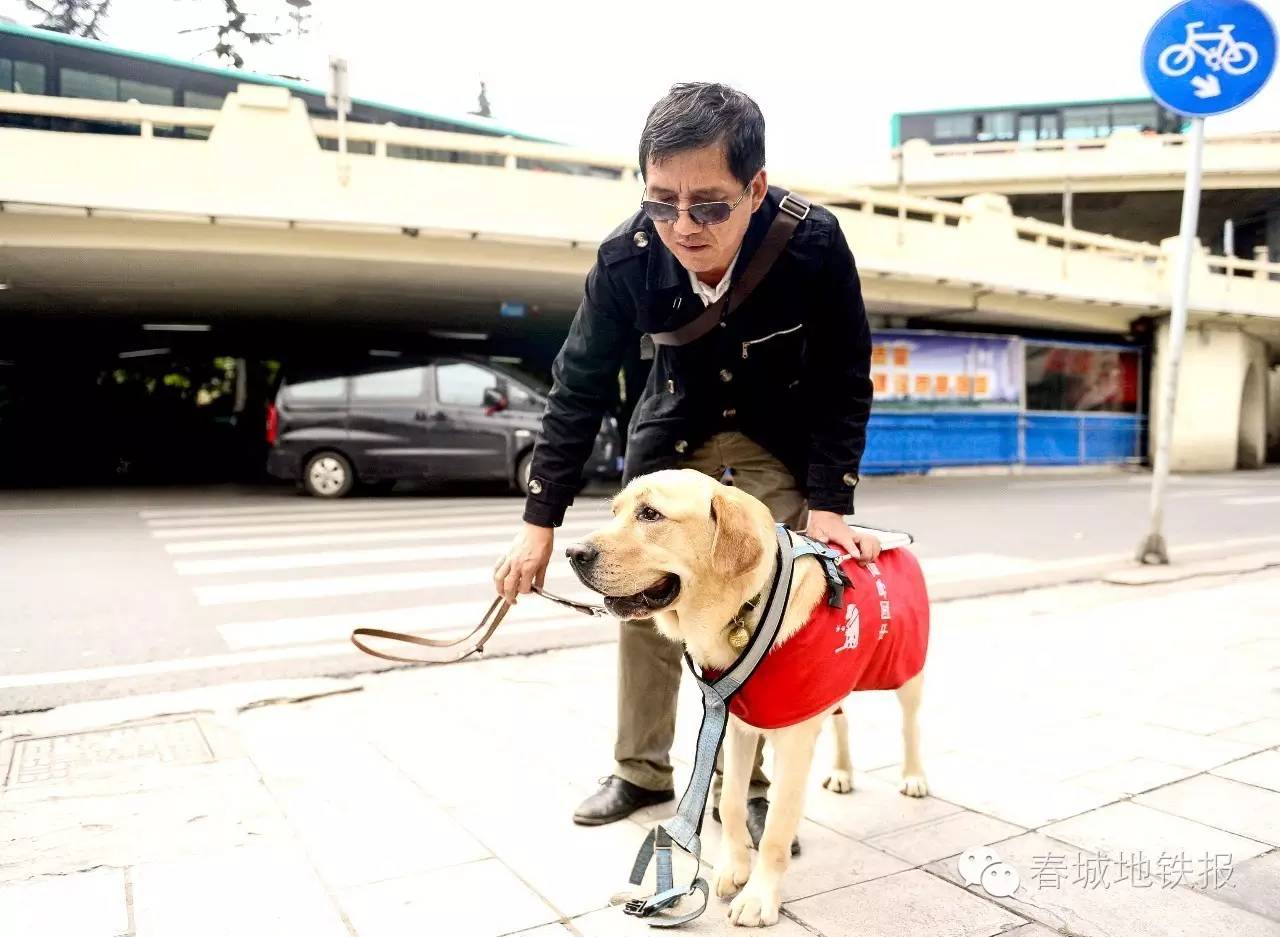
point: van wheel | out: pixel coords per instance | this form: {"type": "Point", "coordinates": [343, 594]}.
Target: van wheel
{"type": "Point", "coordinates": [523, 469]}
{"type": "Point", "coordinates": [328, 475]}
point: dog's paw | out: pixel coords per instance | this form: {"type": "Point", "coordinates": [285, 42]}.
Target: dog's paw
{"type": "Point", "coordinates": [839, 781]}
{"type": "Point", "coordinates": [914, 785]}
{"type": "Point", "coordinates": [731, 875]}
{"type": "Point", "coordinates": [755, 907]}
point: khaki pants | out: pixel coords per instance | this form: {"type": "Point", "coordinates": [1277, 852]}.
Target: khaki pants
{"type": "Point", "coordinates": [649, 665]}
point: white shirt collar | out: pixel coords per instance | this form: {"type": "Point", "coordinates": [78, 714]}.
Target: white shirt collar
{"type": "Point", "coordinates": [709, 294]}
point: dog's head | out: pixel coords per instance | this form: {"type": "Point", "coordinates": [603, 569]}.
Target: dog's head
{"type": "Point", "coordinates": [674, 534]}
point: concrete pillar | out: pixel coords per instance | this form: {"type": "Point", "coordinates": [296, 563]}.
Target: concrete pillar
{"type": "Point", "coordinates": [1273, 238]}
{"type": "Point", "coordinates": [1220, 421]}
{"type": "Point", "coordinates": [1273, 414]}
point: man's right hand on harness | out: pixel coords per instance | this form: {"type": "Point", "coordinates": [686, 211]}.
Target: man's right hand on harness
{"type": "Point", "coordinates": [525, 565]}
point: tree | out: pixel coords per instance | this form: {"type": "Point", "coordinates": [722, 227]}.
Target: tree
{"type": "Point", "coordinates": [483, 102]}
{"type": "Point", "coordinates": [73, 17]}
{"type": "Point", "coordinates": [234, 31]}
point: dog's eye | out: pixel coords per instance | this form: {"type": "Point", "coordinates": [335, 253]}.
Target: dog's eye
{"type": "Point", "coordinates": [647, 513]}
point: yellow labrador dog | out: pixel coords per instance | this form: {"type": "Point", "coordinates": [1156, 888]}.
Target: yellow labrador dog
{"type": "Point", "coordinates": [692, 553]}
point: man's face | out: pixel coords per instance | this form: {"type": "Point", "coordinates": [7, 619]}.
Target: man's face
{"type": "Point", "coordinates": [702, 175]}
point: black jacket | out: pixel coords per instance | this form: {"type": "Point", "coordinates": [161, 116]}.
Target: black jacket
{"type": "Point", "coordinates": [788, 368]}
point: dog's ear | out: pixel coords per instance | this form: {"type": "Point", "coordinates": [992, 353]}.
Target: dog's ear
{"type": "Point", "coordinates": [735, 548]}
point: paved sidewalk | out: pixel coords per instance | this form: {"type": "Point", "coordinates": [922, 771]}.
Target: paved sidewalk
{"type": "Point", "coordinates": [1118, 747]}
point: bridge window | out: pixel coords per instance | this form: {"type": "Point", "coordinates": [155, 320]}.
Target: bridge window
{"type": "Point", "coordinates": [212, 102]}
{"type": "Point", "coordinates": [146, 93]}
{"type": "Point", "coordinates": [99, 87]}
{"type": "Point", "coordinates": [1085, 123]}
{"type": "Point", "coordinates": [998, 126]}
{"type": "Point", "coordinates": [953, 127]}
{"type": "Point", "coordinates": [389, 385]}
{"type": "Point", "coordinates": [1134, 117]}
{"type": "Point", "coordinates": [21, 77]}
{"type": "Point", "coordinates": [78, 84]}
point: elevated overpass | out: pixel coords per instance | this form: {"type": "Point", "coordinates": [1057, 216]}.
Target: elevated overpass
{"type": "Point", "coordinates": [261, 221]}
{"type": "Point", "coordinates": [1128, 184]}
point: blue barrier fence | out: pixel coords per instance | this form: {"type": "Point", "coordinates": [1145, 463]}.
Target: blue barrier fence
{"type": "Point", "coordinates": [919, 441]}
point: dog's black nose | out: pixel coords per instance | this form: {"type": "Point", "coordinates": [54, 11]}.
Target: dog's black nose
{"type": "Point", "coordinates": [582, 554]}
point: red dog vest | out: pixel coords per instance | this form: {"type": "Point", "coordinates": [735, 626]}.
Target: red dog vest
{"type": "Point", "coordinates": [876, 642]}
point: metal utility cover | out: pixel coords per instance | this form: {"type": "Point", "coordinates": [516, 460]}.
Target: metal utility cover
{"type": "Point", "coordinates": [78, 754]}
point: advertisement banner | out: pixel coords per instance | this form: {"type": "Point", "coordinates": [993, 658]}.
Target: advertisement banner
{"type": "Point", "coordinates": [929, 369]}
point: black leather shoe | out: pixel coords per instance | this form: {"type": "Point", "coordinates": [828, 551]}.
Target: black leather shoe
{"type": "Point", "coordinates": [616, 800]}
{"type": "Point", "coordinates": [757, 813]}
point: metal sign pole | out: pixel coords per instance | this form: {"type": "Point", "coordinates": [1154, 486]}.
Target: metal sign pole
{"type": "Point", "coordinates": [1153, 550]}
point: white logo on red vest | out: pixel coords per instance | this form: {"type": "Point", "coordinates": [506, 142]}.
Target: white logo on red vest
{"type": "Point", "coordinates": [851, 626]}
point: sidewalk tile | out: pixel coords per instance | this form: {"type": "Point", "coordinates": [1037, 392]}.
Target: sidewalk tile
{"type": "Point", "coordinates": [480, 899]}
{"type": "Point", "coordinates": [253, 891]}
{"type": "Point", "coordinates": [1255, 886]}
{"type": "Point", "coordinates": [363, 834]}
{"type": "Point", "coordinates": [1030, 930]}
{"type": "Point", "coordinates": [1132, 776]}
{"type": "Point", "coordinates": [1121, 909]}
{"type": "Point", "coordinates": [1260, 732]}
{"type": "Point", "coordinates": [546, 930]}
{"type": "Point", "coordinates": [1128, 828]}
{"type": "Point", "coordinates": [936, 839]}
{"type": "Point", "coordinates": [1260, 770]}
{"type": "Point", "coordinates": [873, 807]}
{"type": "Point", "coordinates": [1228, 805]}
{"type": "Point", "coordinates": [576, 868]}
{"type": "Point", "coordinates": [86, 904]}
{"type": "Point", "coordinates": [911, 902]}
{"type": "Point", "coordinates": [611, 922]}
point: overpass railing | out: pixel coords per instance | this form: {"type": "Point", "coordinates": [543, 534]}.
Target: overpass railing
{"type": "Point", "coordinates": [390, 142]}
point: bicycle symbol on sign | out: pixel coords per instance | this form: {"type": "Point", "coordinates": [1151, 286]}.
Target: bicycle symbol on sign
{"type": "Point", "coordinates": [1235, 58]}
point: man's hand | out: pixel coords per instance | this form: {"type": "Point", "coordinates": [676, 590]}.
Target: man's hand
{"type": "Point", "coordinates": [829, 527]}
{"type": "Point", "coordinates": [526, 564]}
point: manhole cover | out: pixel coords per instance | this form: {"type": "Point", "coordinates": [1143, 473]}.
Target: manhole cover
{"type": "Point", "coordinates": [78, 754]}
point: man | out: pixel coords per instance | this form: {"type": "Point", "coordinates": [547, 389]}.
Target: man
{"type": "Point", "coordinates": [775, 394]}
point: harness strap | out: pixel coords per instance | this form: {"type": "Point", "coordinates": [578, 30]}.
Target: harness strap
{"type": "Point", "coordinates": [684, 828]}
{"type": "Point", "coordinates": [791, 211]}
{"type": "Point", "coordinates": [837, 579]}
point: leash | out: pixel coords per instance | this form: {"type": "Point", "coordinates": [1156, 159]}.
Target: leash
{"type": "Point", "coordinates": [449, 652]}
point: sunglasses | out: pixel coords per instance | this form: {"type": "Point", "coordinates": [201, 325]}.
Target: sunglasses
{"type": "Point", "coordinates": [703, 213]}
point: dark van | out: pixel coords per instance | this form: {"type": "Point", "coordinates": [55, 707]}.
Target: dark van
{"type": "Point", "coordinates": [331, 429]}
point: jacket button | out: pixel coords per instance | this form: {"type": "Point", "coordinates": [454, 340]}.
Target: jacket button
{"type": "Point", "coordinates": [535, 486]}
{"type": "Point", "coordinates": [681, 445]}
{"type": "Point", "coordinates": [730, 413]}
{"type": "Point", "coordinates": [726, 375]}
{"type": "Point", "coordinates": [849, 479]}
{"type": "Point", "coordinates": [640, 239]}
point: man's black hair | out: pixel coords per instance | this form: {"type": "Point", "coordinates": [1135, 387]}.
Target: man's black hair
{"type": "Point", "coordinates": [697, 114]}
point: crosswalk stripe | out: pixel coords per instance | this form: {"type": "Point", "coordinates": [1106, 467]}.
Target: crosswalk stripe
{"type": "Point", "coordinates": [269, 590]}
{"type": "Point", "coordinates": [1260, 499]}
{"type": "Point", "coordinates": [301, 506]}
{"type": "Point", "coordinates": [511, 508]}
{"type": "Point", "coordinates": [259, 656]}
{"type": "Point", "coordinates": [379, 536]}
{"type": "Point", "coordinates": [490, 549]}
{"type": "Point", "coordinates": [417, 619]}
{"type": "Point", "coordinates": [401, 521]}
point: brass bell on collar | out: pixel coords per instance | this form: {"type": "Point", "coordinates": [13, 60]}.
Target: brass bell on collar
{"type": "Point", "coordinates": [739, 637]}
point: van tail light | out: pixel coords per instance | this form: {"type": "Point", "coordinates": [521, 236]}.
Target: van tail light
{"type": "Point", "coordinates": [273, 424]}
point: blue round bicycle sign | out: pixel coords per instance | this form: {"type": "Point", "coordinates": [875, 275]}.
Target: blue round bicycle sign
{"type": "Point", "coordinates": [1208, 56]}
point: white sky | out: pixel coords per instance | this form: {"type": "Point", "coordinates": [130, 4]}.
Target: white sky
{"type": "Point", "coordinates": [827, 75]}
